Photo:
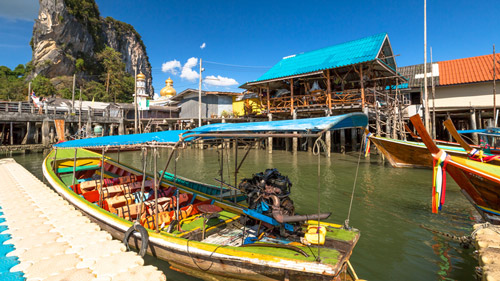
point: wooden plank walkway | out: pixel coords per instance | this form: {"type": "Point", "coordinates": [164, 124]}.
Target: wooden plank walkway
{"type": "Point", "coordinates": [487, 240]}
{"type": "Point", "coordinates": [53, 241]}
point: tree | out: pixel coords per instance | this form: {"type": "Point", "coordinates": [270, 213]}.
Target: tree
{"type": "Point", "coordinates": [43, 87]}
{"type": "Point", "coordinates": [95, 90]}
{"type": "Point", "coordinates": [12, 85]}
{"type": "Point", "coordinates": [117, 81]}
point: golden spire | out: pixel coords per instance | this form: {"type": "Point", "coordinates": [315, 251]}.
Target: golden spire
{"type": "Point", "coordinates": [141, 76]}
{"type": "Point", "coordinates": [168, 90]}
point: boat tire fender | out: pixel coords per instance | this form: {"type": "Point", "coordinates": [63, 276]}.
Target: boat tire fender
{"type": "Point", "coordinates": [144, 238]}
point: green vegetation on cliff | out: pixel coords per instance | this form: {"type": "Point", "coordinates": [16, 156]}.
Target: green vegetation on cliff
{"type": "Point", "coordinates": [87, 13]}
{"type": "Point", "coordinates": [113, 84]}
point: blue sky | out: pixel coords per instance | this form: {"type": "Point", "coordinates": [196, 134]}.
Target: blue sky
{"type": "Point", "coordinates": [244, 38]}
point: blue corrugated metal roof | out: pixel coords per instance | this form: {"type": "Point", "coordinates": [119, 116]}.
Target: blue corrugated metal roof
{"type": "Point", "coordinates": [348, 53]}
{"type": "Point", "coordinates": [350, 120]}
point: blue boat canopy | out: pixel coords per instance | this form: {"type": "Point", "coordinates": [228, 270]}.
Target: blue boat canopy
{"type": "Point", "coordinates": [310, 125]}
{"type": "Point", "coordinates": [313, 125]}
{"type": "Point", "coordinates": [124, 140]}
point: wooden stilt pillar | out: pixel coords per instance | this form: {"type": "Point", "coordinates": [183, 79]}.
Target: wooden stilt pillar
{"type": "Point", "coordinates": [388, 126]}
{"type": "Point", "coordinates": [354, 139]}
{"type": "Point", "coordinates": [45, 132]}
{"type": "Point", "coordinates": [11, 133]}
{"type": "Point", "coordinates": [473, 125]}
{"type": "Point", "coordinates": [328, 140]}
{"type": "Point", "coordinates": [342, 141]}
{"type": "Point", "coordinates": [294, 140]}
{"type": "Point", "coordinates": [270, 140]}
{"type": "Point", "coordinates": [480, 120]}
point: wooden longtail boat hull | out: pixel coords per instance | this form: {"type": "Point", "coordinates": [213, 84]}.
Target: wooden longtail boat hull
{"type": "Point", "coordinates": [480, 182]}
{"type": "Point", "coordinates": [225, 261]}
{"type": "Point", "coordinates": [480, 185]}
{"type": "Point", "coordinates": [407, 154]}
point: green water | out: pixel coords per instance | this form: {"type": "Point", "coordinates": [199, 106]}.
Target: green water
{"type": "Point", "coordinates": [390, 207]}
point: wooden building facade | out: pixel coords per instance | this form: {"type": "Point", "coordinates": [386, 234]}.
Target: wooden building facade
{"type": "Point", "coordinates": [359, 75]}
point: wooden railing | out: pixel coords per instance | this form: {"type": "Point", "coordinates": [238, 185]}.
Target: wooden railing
{"type": "Point", "coordinates": [317, 100]}
{"type": "Point", "coordinates": [26, 107]}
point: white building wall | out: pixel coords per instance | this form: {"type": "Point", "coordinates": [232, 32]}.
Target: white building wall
{"type": "Point", "coordinates": [477, 95]}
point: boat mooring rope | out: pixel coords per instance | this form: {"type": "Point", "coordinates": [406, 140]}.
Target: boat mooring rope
{"type": "Point", "coordinates": [196, 263]}
{"type": "Point", "coordinates": [466, 240]}
{"type": "Point", "coordinates": [316, 147]}
{"type": "Point", "coordinates": [346, 223]}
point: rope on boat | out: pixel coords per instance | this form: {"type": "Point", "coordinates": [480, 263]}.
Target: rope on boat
{"type": "Point", "coordinates": [465, 240]}
{"type": "Point", "coordinates": [210, 257]}
{"type": "Point", "coordinates": [137, 226]}
{"type": "Point", "coordinates": [346, 223]}
{"type": "Point", "coordinates": [316, 147]}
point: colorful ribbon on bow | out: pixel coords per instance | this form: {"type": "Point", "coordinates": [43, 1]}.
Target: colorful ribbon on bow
{"type": "Point", "coordinates": [439, 181]}
{"type": "Point", "coordinates": [367, 144]}
{"type": "Point", "coordinates": [480, 155]}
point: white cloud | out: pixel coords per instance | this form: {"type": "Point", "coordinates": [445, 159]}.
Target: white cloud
{"type": "Point", "coordinates": [220, 81]}
{"type": "Point", "coordinates": [171, 66]}
{"type": "Point", "coordinates": [203, 46]}
{"type": "Point", "coordinates": [26, 10]}
{"type": "Point", "coordinates": [187, 70]}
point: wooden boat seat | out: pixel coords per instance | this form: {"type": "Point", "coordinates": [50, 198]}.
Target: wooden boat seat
{"type": "Point", "coordinates": [93, 184]}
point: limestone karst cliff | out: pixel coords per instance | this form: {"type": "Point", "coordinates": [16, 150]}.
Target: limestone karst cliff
{"type": "Point", "coordinates": [69, 33]}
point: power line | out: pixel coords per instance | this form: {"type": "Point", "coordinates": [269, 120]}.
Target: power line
{"type": "Point", "coordinates": [235, 65]}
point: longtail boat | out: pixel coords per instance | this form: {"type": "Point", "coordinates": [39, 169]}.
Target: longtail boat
{"type": "Point", "coordinates": [482, 154]}
{"type": "Point", "coordinates": [262, 239]}
{"type": "Point", "coordinates": [479, 182]}
{"type": "Point", "coordinates": [410, 154]}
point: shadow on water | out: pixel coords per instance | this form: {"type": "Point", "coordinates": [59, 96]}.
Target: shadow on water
{"type": "Point", "coordinates": [391, 207]}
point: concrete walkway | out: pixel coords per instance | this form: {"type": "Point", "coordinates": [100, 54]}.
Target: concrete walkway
{"type": "Point", "coordinates": [53, 241]}
{"type": "Point", "coordinates": [487, 239]}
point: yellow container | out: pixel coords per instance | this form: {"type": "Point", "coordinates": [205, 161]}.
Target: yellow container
{"type": "Point", "coordinates": [312, 235]}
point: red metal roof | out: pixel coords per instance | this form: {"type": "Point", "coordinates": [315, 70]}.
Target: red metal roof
{"type": "Point", "coordinates": [468, 70]}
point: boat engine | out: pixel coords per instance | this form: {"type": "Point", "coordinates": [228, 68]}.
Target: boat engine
{"type": "Point", "coordinates": [268, 193]}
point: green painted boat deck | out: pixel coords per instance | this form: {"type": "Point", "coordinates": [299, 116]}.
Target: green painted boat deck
{"type": "Point", "coordinates": [341, 234]}
{"type": "Point", "coordinates": [198, 222]}
{"type": "Point", "coordinates": [489, 168]}
{"type": "Point", "coordinates": [70, 153]}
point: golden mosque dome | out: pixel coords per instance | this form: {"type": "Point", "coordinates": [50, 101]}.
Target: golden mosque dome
{"type": "Point", "coordinates": [168, 90]}
{"type": "Point", "coordinates": [141, 76]}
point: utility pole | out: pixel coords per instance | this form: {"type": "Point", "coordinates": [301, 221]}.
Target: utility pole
{"type": "Point", "coordinates": [433, 100]}
{"type": "Point", "coordinates": [135, 100]}
{"type": "Point", "coordinates": [494, 88]}
{"type": "Point", "coordinates": [199, 97]}
{"type": "Point", "coordinates": [80, 115]}
{"type": "Point", "coordinates": [29, 91]}
{"type": "Point", "coordinates": [73, 95]}
{"type": "Point", "coordinates": [425, 99]}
